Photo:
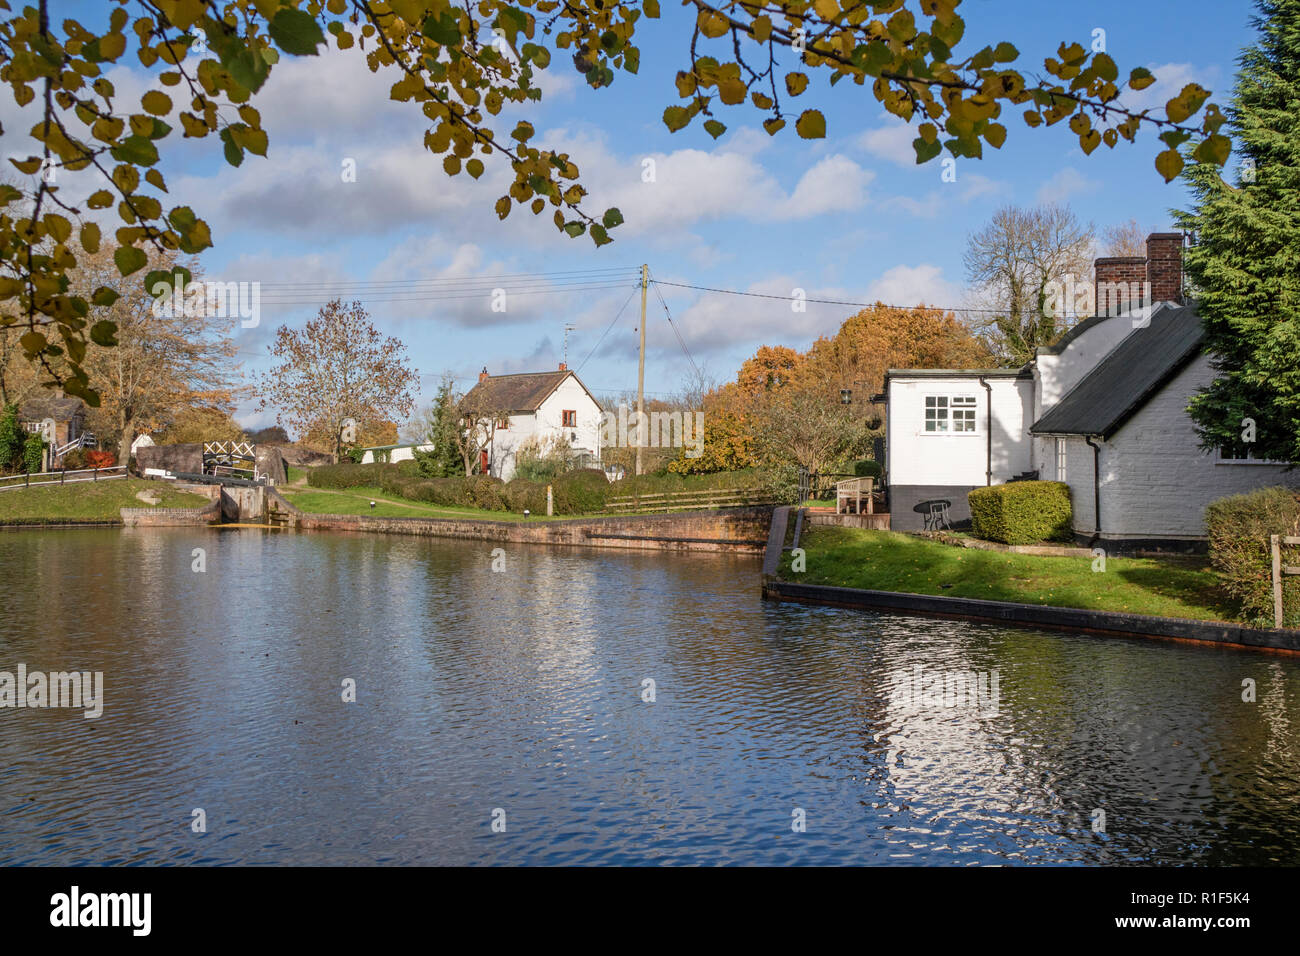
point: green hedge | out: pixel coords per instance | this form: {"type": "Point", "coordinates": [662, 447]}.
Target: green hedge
{"type": "Point", "coordinates": [1239, 527]}
{"type": "Point", "coordinates": [1021, 512]}
{"type": "Point", "coordinates": [582, 491]}
{"type": "Point", "coordinates": [867, 468]}
{"type": "Point", "coordinates": [345, 475]}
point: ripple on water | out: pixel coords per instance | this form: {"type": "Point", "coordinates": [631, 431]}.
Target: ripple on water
{"type": "Point", "coordinates": [522, 692]}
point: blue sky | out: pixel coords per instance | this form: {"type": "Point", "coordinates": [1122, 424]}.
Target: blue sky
{"type": "Point", "coordinates": [849, 217]}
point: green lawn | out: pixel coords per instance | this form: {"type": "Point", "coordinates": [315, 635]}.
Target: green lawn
{"type": "Point", "coordinates": [295, 473]}
{"type": "Point", "coordinates": [356, 501]}
{"type": "Point", "coordinates": [887, 561]}
{"type": "Point", "coordinates": [87, 501]}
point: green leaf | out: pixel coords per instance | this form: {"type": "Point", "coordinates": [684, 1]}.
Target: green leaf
{"type": "Point", "coordinates": [926, 151]}
{"type": "Point", "coordinates": [811, 124]}
{"type": "Point", "coordinates": [104, 296]}
{"type": "Point", "coordinates": [714, 128]}
{"type": "Point", "coordinates": [1005, 52]}
{"type": "Point", "coordinates": [1169, 164]}
{"type": "Point", "coordinates": [234, 152]}
{"type": "Point", "coordinates": [443, 30]}
{"type": "Point", "coordinates": [136, 150]}
{"type": "Point", "coordinates": [129, 259]}
{"type": "Point", "coordinates": [296, 32]}
{"type": "Point", "coordinates": [104, 333]}
{"type": "Point", "coordinates": [612, 217]}
{"type": "Point", "coordinates": [575, 228]}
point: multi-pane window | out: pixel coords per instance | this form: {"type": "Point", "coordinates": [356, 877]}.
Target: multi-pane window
{"type": "Point", "coordinates": [963, 413]}
{"type": "Point", "coordinates": [945, 413]}
{"type": "Point", "coordinates": [570, 419]}
{"type": "Point", "coordinates": [1060, 459]}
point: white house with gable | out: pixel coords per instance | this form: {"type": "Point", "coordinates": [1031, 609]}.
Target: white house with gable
{"type": "Point", "coordinates": [546, 406]}
{"type": "Point", "coordinates": [1103, 410]}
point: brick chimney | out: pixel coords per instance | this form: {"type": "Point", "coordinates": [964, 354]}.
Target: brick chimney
{"type": "Point", "coordinates": [1165, 266]}
{"type": "Point", "coordinates": [564, 367]}
{"type": "Point", "coordinates": [483, 375]}
{"type": "Point", "coordinates": [1118, 284]}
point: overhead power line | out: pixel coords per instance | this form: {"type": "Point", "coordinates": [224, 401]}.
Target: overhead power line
{"type": "Point", "coordinates": [860, 305]}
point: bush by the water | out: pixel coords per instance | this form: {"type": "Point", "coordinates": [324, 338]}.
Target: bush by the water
{"type": "Point", "coordinates": [1021, 512]}
{"type": "Point", "coordinates": [1239, 528]}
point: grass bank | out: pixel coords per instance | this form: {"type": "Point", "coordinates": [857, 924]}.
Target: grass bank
{"type": "Point", "coordinates": [888, 561]}
{"type": "Point", "coordinates": [87, 501]}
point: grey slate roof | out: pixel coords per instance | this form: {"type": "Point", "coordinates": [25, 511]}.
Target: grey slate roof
{"type": "Point", "coordinates": [1122, 382]}
{"type": "Point", "coordinates": [44, 406]}
{"type": "Point", "coordinates": [520, 392]}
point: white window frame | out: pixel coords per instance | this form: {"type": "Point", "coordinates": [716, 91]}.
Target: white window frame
{"type": "Point", "coordinates": [953, 403]}
{"type": "Point", "coordinates": [1062, 458]}
{"type": "Point", "coordinates": [1220, 460]}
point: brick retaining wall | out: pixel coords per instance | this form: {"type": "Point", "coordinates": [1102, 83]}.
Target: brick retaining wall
{"type": "Point", "coordinates": [741, 530]}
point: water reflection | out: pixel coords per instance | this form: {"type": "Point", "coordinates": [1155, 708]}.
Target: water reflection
{"type": "Point", "coordinates": [521, 690]}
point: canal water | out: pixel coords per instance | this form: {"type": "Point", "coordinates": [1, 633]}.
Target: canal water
{"type": "Point", "coordinates": [508, 717]}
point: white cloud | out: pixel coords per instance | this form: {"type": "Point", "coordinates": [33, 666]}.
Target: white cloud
{"type": "Point", "coordinates": [913, 285]}
{"type": "Point", "coordinates": [891, 142]}
{"type": "Point", "coordinates": [1067, 182]}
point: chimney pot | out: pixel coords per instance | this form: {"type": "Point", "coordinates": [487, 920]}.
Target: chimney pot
{"type": "Point", "coordinates": [483, 375]}
{"type": "Point", "coordinates": [564, 367]}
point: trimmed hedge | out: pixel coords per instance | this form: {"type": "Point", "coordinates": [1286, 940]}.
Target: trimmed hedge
{"type": "Point", "coordinates": [867, 468]}
{"type": "Point", "coordinates": [344, 475]}
{"type": "Point", "coordinates": [582, 491]}
{"type": "Point", "coordinates": [1239, 527]}
{"type": "Point", "coordinates": [1022, 512]}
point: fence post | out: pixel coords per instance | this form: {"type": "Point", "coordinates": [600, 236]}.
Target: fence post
{"type": "Point", "coordinates": [1275, 542]}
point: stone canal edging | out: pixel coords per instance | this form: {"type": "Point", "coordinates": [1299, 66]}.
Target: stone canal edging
{"type": "Point", "coordinates": [171, 517]}
{"type": "Point", "coordinates": [1108, 623]}
{"type": "Point", "coordinates": [742, 530]}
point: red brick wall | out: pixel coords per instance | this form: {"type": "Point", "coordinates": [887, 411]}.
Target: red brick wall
{"type": "Point", "coordinates": [1165, 266]}
{"type": "Point", "coordinates": [1127, 270]}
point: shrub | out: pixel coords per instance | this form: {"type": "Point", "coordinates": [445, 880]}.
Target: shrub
{"type": "Point", "coordinates": [99, 458]}
{"type": "Point", "coordinates": [13, 439]}
{"type": "Point", "coordinates": [74, 460]}
{"type": "Point", "coordinates": [1239, 527]}
{"type": "Point", "coordinates": [521, 494]}
{"type": "Point", "coordinates": [345, 475]}
{"type": "Point", "coordinates": [866, 468]}
{"type": "Point", "coordinates": [32, 452]}
{"type": "Point", "coordinates": [1021, 512]}
{"type": "Point", "coordinates": [583, 491]}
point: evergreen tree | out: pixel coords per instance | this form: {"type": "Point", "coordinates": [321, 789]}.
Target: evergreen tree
{"type": "Point", "coordinates": [444, 423]}
{"type": "Point", "coordinates": [1244, 268]}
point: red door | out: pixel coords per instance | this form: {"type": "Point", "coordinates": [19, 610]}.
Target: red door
{"type": "Point", "coordinates": [483, 462]}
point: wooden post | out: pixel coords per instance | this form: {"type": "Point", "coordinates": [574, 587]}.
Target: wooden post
{"type": "Point", "coordinates": [1276, 544]}
{"type": "Point", "coordinates": [640, 374]}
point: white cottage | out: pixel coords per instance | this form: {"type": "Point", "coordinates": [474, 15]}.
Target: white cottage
{"type": "Point", "coordinates": [1103, 410]}
{"type": "Point", "coordinates": [545, 406]}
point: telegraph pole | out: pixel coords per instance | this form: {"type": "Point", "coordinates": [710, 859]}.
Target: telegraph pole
{"type": "Point", "coordinates": [640, 375]}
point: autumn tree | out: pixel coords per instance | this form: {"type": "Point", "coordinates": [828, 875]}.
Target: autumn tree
{"type": "Point", "coordinates": [211, 59]}
{"type": "Point", "coordinates": [881, 337]}
{"type": "Point", "coordinates": [336, 371]}
{"type": "Point", "coordinates": [165, 361]}
{"type": "Point", "coordinates": [200, 425]}
{"type": "Point", "coordinates": [1012, 262]}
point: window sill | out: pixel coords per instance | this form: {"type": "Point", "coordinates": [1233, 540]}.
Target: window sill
{"type": "Point", "coordinates": [1251, 461]}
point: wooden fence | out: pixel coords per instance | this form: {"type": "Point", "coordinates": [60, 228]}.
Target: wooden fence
{"type": "Point", "coordinates": [68, 477]}
{"type": "Point", "coordinates": [1279, 569]}
{"type": "Point", "coordinates": [690, 500]}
